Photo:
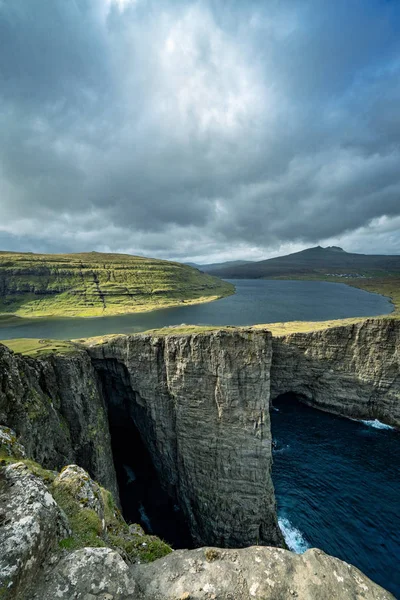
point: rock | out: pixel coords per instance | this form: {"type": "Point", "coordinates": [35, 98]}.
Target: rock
{"type": "Point", "coordinates": [77, 482]}
{"type": "Point", "coordinates": [55, 406]}
{"type": "Point", "coordinates": [31, 524]}
{"type": "Point", "coordinates": [201, 405]}
{"type": "Point", "coordinates": [9, 444]}
{"type": "Point", "coordinates": [257, 573]}
{"type": "Point", "coordinates": [352, 371]}
{"type": "Point", "coordinates": [89, 574]}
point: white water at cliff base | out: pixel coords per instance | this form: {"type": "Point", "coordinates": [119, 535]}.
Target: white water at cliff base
{"type": "Point", "coordinates": [293, 536]}
{"type": "Point", "coordinates": [377, 424]}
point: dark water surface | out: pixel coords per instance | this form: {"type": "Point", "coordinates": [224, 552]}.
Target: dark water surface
{"type": "Point", "coordinates": [255, 301]}
{"type": "Point", "coordinates": [337, 484]}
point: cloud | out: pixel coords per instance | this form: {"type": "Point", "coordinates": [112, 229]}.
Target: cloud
{"type": "Point", "coordinates": [197, 129]}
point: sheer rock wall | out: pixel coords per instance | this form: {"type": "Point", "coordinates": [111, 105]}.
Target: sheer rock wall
{"type": "Point", "coordinates": [352, 371]}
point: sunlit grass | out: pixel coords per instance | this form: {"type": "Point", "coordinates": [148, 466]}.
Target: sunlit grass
{"type": "Point", "coordinates": [38, 348]}
{"type": "Point", "coordinates": [95, 284]}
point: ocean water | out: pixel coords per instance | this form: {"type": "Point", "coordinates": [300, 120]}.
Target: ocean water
{"type": "Point", "coordinates": [337, 483]}
{"type": "Point", "coordinates": [255, 301]}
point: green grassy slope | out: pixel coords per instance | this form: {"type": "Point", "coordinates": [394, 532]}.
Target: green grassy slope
{"type": "Point", "coordinates": [96, 284]}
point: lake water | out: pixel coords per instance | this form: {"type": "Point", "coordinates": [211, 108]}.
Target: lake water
{"type": "Point", "coordinates": [255, 301]}
{"type": "Point", "coordinates": [338, 488]}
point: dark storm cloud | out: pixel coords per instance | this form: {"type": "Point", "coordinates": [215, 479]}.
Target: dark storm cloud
{"type": "Point", "coordinates": [199, 129]}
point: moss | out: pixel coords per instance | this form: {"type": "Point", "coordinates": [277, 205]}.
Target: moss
{"type": "Point", "coordinates": [85, 524]}
{"type": "Point", "coordinates": [144, 548]}
{"type": "Point", "coordinates": [44, 474]}
{"type": "Point", "coordinates": [211, 554]}
{"type": "Point", "coordinates": [37, 348]}
{"type": "Point", "coordinates": [87, 529]}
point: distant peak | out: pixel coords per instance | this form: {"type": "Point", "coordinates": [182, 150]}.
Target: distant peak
{"type": "Point", "coordinates": [334, 249]}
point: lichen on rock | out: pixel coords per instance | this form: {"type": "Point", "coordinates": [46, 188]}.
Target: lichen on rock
{"type": "Point", "coordinates": [31, 523]}
{"type": "Point", "coordinates": [9, 445]}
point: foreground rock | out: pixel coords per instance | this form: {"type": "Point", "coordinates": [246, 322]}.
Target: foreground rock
{"type": "Point", "coordinates": [31, 524]}
{"type": "Point", "coordinates": [62, 537]}
{"type": "Point", "coordinates": [257, 573]}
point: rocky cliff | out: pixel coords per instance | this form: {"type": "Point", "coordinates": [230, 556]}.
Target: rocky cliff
{"type": "Point", "coordinates": [57, 408]}
{"type": "Point", "coordinates": [352, 371]}
{"type": "Point", "coordinates": [201, 404]}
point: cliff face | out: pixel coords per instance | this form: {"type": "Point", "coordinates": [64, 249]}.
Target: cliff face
{"type": "Point", "coordinates": [57, 409]}
{"type": "Point", "coordinates": [200, 403]}
{"type": "Point", "coordinates": [352, 371]}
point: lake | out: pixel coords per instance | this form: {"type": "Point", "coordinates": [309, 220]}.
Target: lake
{"type": "Point", "coordinates": [255, 301]}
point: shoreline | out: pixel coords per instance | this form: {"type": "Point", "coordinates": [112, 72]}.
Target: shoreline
{"type": "Point", "coordinates": [277, 328]}
{"type": "Point", "coordinates": [12, 318]}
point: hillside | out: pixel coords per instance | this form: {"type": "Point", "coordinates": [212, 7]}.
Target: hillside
{"type": "Point", "coordinates": [331, 261]}
{"type": "Point", "coordinates": [96, 284]}
{"type": "Point", "coordinates": [214, 266]}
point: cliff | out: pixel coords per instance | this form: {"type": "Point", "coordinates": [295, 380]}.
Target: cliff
{"type": "Point", "coordinates": [56, 406]}
{"type": "Point", "coordinates": [352, 371]}
{"type": "Point", "coordinates": [95, 283]}
{"type": "Point", "coordinates": [201, 404]}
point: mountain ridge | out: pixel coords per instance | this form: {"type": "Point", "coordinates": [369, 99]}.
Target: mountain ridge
{"type": "Point", "coordinates": [316, 261]}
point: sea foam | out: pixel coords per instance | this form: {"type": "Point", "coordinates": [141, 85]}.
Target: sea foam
{"type": "Point", "coordinates": [293, 536]}
{"type": "Point", "coordinates": [377, 424]}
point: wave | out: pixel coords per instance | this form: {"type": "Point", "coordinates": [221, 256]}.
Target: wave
{"type": "Point", "coordinates": [145, 519]}
{"type": "Point", "coordinates": [130, 474]}
{"type": "Point", "coordinates": [276, 449]}
{"type": "Point", "coordinates": [293, 536]}
{"type": "Point", "coordinates": [377, 424]}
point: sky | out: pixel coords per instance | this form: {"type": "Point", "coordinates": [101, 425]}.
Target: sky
{"type": "Point", "coordinates": [199, 131]}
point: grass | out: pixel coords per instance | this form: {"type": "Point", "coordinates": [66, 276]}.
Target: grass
{"type": "Point", "coordinates": [87, 529]}
{"type": "Point", "coordinates": [37, 348]}
{"type": "Point", "coordinates": [96, 284]}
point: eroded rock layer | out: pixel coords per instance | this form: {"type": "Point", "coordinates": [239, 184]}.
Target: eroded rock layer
{"type": "Point", "coordinates": [201, 404]}
{"type": "Point", "coordinates": [56, 407]}
{"type": "Point", "coordinates": [352, 371]}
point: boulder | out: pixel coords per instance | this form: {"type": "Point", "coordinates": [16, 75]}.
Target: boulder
{"type": "Point", "coordinates": [31, 524]}
{"type": "Point", "coordinates": [256, 573]}
{"type": "Point", "coordinates": [89, 574]}
{"type": "Point", "coordinates": [9, 445]}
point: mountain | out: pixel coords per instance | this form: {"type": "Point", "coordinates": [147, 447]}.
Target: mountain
{"type": "Point", "coordinates": [96, 284]}
{"type": "Point", "coordinates": [230, 264]}
{"type": "Point", "coordinates": [315, 262]}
